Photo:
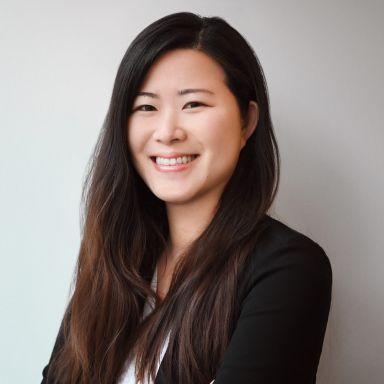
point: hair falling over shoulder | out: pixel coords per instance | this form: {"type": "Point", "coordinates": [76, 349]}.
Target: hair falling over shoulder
{"type": "Point", "coordinates": [125, 229]}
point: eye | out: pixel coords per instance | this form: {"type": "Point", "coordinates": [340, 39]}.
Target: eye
{"type": "Point", "coordinates": [194, 103]}
{"type": "Point", "coordinates": [145, 108]}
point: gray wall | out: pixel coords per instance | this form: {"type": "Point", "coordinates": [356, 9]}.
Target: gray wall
{"type": "Point", "coordinates": [324, 65]}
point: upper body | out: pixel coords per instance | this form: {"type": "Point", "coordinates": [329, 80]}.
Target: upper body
{"type": "Point", "coordinates": [184, 172]}
{"type": "Point", "coordinates": [284, 296]}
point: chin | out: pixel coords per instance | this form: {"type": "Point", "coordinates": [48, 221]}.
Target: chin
{"type": "Point", "coordinates": [176, 196]}
{"type": "Point", "coordinates": [173, 199]}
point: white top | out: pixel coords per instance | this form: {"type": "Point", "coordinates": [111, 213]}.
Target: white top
{"type": "Point", "coordinates": [128, 377]}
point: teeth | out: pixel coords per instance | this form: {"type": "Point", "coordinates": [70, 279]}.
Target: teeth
{"type": "Point", "coordinates": [174, 160]}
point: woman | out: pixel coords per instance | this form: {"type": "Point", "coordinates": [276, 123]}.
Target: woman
{"type": "Point", "coordinates": [182, 274]}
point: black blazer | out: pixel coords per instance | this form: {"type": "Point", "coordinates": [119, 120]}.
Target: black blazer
{"type": "Point", "coordinates": [285, 297]}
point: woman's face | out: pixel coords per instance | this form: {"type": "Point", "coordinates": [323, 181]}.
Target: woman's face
{"type": "Point", "coordinates": [185, 130]}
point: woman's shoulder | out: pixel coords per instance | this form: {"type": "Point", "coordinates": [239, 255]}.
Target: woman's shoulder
{"type": "Point", "coordinates": [277, 233]}
{"type": "Point", "coordinates": [278, 239]}
{"type": "Point", "coordinates": [284, 251]}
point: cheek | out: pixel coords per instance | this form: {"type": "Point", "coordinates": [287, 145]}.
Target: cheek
{"type": "Point", "coordinates": [222, 132]}
{"type": "Point", "coordinates": [135, 138]}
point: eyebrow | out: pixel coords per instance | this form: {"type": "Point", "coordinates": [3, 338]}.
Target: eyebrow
{"type": "Point", "coordinates": [180, 93]}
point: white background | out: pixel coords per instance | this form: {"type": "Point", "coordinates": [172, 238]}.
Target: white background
{"type": "Point", "coordinates": [324, 66]}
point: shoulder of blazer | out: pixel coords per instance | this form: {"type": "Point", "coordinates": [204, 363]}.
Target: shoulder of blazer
{"type": "Point", "coordinates": [280, 244]}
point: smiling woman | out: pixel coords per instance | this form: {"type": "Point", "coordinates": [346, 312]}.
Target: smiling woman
{"type": "Point", "coordinates": [182, 275]}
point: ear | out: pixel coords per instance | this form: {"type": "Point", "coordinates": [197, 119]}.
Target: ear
{"type": "Point", "coordinates": [250, 123]}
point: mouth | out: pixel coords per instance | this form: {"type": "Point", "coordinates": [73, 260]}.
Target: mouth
{"type": "Point", "coordinates": [174, 160]}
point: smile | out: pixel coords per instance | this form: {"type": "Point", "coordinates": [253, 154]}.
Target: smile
{"type": "Point", "coordinates": [173, 164]}
{"type": "Point", "coordinates": [174, 160]}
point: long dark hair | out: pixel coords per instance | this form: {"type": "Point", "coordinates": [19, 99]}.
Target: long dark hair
{"type": "Point", "coordinates": [125, 229]}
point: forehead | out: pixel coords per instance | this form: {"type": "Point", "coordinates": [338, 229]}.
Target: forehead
{"type": "Point", "coordinates": [184, 67]}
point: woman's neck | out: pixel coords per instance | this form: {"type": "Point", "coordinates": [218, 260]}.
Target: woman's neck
{"type": "Point", "coordinates": [186, 223]}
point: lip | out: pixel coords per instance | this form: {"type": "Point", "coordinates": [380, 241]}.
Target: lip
{"type": "Point", "coordinates": [170, 155]}
{"type": "Point", "coordinates": [175, 167]}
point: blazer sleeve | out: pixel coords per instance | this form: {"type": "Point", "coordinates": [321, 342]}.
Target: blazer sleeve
{"type": "Point", "coordinates": [279, 334]}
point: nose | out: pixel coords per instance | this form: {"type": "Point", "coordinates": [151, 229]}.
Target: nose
{"type": "Point", "coordinates": [167, 128]}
